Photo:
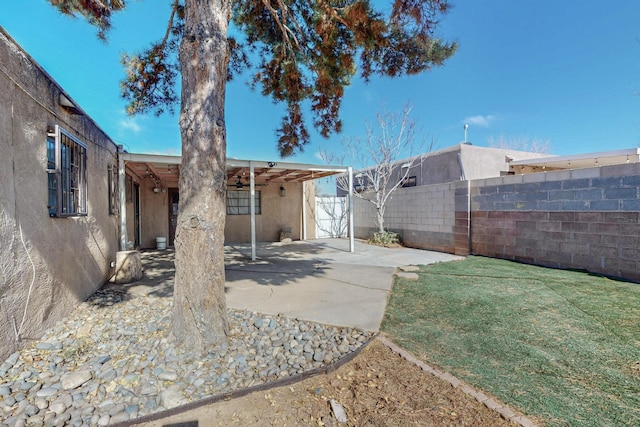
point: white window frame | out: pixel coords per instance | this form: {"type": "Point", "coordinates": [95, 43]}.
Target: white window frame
{"type": "Point", "coordinates": [67, 174]}
{"type": "Point", "coordinates": [241, 205]}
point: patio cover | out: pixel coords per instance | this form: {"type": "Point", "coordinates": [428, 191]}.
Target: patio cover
{"type": "Point", "coordinates": [165, 172]}
{"type": "Point", "coordinates": [576, 161]}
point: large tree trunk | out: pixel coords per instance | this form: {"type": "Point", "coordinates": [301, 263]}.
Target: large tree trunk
{"type": "Point", "coordinates": [199, 306]}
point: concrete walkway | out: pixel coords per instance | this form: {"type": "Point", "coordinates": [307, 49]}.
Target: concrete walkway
{"type": "Point", "coordinates": [315, 280]}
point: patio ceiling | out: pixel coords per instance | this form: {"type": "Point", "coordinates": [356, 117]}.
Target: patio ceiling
{"type": "Point", "coordinates": [164, 171]}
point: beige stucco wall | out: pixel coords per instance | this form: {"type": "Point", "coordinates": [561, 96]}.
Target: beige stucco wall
{"type": "Point", "coordinates": [277, 213]}
{"type": "Point", "coordinates": [53, 262]}
{"type": "Point", "coordinates": [483, 162]}
{"type": "Point", "coordinates": [154, 214]}
{"type": "Point", "coordinates": [310, 207]}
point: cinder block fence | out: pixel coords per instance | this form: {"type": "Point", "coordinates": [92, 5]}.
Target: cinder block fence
{"type": "Point", "coordinates": [586, 219]}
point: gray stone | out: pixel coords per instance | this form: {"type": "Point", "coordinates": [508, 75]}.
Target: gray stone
{"type": "Point", "coordinates": [11, 360]}
{"type": "Point", "coordinates": [36, 420]}
{"type": "Point", "coordinates": [95, 418]}
{"type": "Point", "coordinates": [108, 375]}
{"type": "Point", "coordinates": [41, 403]}
{"type": "Point", "coordinates": [72, 380]}
{"type": "Point", "coordinates": [30, 410]}
{"type": "Point", "coordinates": [119, 418]}
{"type": "Point", "coordinates": [44, 346]}
{"type": "Point", "coordinates": [104, 420]}
{"type": "Point", "coordinates": [132, 410]}
{"type": "Point", "coordinates": [61, 420]}
{"type": "Point", "coordinates": [46, 392]}
{"type": "Point", "coordinates": [172, 398]}
{"type": "Point", "coordinates": [8, 402]}
{"type": "Point", "coordinates": [103, 359]}
{"type": "Point", "coordinates": [58, 407]}
{"type": "Point", "coordinates": [26, 386]}
{"type": "Point", "coordinates": [408, 276]}
{"type": "Point", "coordinates": [168, 376]}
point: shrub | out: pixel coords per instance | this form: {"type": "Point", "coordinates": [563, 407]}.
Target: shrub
{"type": "Point", "coordinates": [384, 238]}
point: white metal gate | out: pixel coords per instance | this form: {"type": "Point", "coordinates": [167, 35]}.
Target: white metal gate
{"type": "Point", "coordinates": [331, 216]}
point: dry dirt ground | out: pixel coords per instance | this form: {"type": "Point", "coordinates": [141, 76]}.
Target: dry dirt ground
{"type": "Point", "coordinates": [376, 388]}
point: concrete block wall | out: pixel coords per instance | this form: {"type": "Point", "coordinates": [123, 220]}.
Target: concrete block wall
{"type": "Point", "coordinates": [584, 219]}
{"type": "Point", "coordinates": [423, 216]}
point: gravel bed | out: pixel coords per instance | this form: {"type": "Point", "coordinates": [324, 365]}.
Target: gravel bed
{"type": "Point", "coordinates": [114, 359]}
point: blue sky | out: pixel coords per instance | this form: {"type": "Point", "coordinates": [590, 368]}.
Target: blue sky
{"type": "Point", "coordinates": [565, 71]}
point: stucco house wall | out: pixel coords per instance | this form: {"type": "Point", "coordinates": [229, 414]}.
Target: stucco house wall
{"type": "Point", "coordinates": [277, 213]}
{"type": "Point", "coordinates": [47, 265]}
{"type": "Point", "coordinates": [458, 162]}
{"type": "Point", "coordinates": [154, 215]}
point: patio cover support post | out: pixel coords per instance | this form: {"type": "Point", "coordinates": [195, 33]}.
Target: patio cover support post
{"type": "Point", "coordinates": [122, 182]}
{"type": "Point", "coordinates": [252, 204]}
{"type": "Point", "coordinates": [304, 212]}
{"type": "Point", "coordinates": [351, 238]}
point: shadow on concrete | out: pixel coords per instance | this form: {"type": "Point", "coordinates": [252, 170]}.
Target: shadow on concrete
{"type": "Point", "coordinates": [276, 264]}
{"type": "Point", "coordinates": [320, 280]}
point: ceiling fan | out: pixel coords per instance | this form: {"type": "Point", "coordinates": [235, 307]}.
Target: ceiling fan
{"type": "Point", "coordinates": [240, 185]}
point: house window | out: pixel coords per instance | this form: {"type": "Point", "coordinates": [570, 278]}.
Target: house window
{"type": "Point", "coordinates": [238, 202]}
{"type": "Point", "coordinates": [409, 181]}
{"type": "Point", "coordinates": [67, 174]}
{"type": "Point", "coordinates": [112, 184]}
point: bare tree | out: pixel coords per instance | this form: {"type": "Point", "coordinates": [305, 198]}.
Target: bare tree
{"type": "Point", "coordinates": [376, 159]}
{"type": "Point", "coordinates": [329, 213]}
{"type": "Point", "coordinates": [535, 145]}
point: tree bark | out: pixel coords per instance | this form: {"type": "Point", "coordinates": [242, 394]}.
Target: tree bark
{"type": "Point", "coordinates": [380, 220]}
{"type": "Point", "coordinates": [199, 305]}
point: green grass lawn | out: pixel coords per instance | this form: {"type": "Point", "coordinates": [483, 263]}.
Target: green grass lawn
{"type": "Point", "coordinates": [562, 346]}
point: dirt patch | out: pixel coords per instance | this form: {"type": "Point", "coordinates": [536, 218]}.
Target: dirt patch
{"type": "Point", "coordinates": [377, 388]}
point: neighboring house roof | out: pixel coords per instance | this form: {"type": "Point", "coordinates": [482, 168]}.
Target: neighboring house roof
{"type": "Point", "coordinates": [576, 161]}
{"type": "Point", "coordinates": [166, 169]}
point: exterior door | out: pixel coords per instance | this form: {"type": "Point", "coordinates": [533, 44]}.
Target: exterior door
{"type": "Point", "coordinates": [174, 199]}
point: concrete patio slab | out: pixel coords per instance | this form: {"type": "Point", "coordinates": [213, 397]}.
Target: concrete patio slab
{"type": "Point", "coordinates": [315, 280]}
{"type": "Point", "coordinates": [319, 280]}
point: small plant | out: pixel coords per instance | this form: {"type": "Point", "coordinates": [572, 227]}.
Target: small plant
{"type": "Point", "coordinates": [384, 238]}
